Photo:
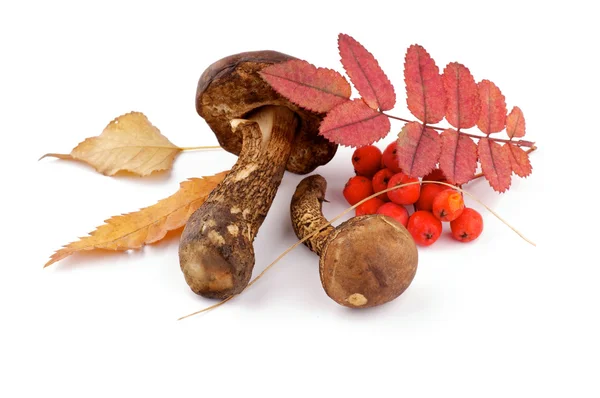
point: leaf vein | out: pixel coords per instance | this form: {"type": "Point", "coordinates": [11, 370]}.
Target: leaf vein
{"type": "Point", "coordinates": [366, 78]}
{"type": "Point", "coordinates": [316, 88]}
{"type": "Point", "coordinates": [352, 123]}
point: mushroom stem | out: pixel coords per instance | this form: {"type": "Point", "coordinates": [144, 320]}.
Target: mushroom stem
{"type": "Point", "coordinates": [306, 212]}
{"type": "Point", "coordinates": [215, 251]}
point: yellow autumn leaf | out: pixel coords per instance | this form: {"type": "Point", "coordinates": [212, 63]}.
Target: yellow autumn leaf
{"type": "Point", "coordinates": [148, 225]}
{"type": "Point", "coordinates": [129, 143]}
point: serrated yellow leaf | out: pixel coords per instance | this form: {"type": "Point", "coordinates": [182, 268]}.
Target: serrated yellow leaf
{"type": "Point", "coordinates": [129, 143]}
{"type": "Point", "coordinates": [148, 225]}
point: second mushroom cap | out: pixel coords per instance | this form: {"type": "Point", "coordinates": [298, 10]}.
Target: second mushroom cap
{"type": "Point", "coordinates": [364, 262]}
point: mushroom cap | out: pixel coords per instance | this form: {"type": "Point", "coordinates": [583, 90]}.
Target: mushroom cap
{"type": "Point", "coordinates": [368, 261]}
{"type": "Point", "coordinates": [231, 88]}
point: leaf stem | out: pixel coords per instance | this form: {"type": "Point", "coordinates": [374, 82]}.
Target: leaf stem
{"type": "Point", "coordinates": [519, 143]}
{"type": "Point", "coordinates": [396, 117]}
{"type": "Point", "coordinates": [199, 148]}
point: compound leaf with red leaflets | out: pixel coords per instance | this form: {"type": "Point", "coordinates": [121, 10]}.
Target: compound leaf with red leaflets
{"type": "Point", "coordinates": [492, 118]}
{"type": "Point", "coordinates": [463, 104]}
{"type": "Point", "coordinates": [426, 97]}
{"type": "Point", "coordinates": [354, 124]}
{"type": "Point", "coordinates": [418, 149]}
{"type": "Point", "coordinates": [366, 74]}
{"type": "Point", "coordinates": [316, 89]}
{"type": "Point", "coordinates": [495, 164]}
{"type": "Point", "coordinates": [458, 158]}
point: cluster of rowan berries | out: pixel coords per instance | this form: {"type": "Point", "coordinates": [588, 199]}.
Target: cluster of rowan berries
{"type": "Point", "coordinates": [432, 203]}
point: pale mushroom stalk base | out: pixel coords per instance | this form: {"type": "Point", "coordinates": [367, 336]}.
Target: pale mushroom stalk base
{"type": "Point", "coordinates": [216, 253]}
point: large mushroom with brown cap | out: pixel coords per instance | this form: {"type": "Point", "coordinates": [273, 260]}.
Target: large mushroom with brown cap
{"type": "Point", "coordinates": [270, 135]}
{"type": "Point", "coordinates": [366, 261]}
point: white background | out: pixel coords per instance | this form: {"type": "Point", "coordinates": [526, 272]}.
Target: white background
{"type": "Point", "coordinates": [496, 317]}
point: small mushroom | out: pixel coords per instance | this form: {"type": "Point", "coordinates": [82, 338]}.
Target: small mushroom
{"type": "Point", "coordinates": [270, 135]}
{"type": "Point", "coordinates": [365, 261]}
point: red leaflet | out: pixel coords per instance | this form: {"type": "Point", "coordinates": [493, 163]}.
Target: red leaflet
{"type": "Point", "coordinates": [426, 97]}
{"type": "Point", "coordinates": [316, 89]}
{"type": "Point", "coordinates": [463, 104]}
{"type": "Point", "coordinates": [495, 164]}
{"type": "Point", "coordinates": [354, 124]}
{"type": "Point", "coordinates": [519, 160]}
{"type": "Point", "coordinates": [515, 123]}
{"type": "Point", "coordinates": [492, 118]}
{"type": "Point", "coordinates": [418, 149]}
{"type": "Point", "coordinates": [458, 158]}
{"type": "Point", "coordinates": [366, 75]}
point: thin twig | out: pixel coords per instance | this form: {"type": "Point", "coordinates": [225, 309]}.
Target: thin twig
{"type": "Point", "coordinates": [220, 303]}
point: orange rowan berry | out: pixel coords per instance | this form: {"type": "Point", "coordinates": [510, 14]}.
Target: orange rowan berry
{"type": "Point", "coordinates": [380, 182]}
{"type": "Point", "coordinates": [428, 193]}
{"type": "Point", "coordinates": [468, 226]}
{"type": "Point", "coordinates": [405, 195]}
{"type": "Point", "coordinates": [357, 188]}
{"type": "Point", "coordinates": [366, 160]}
{"type": "Point", "coordinates": [424, 227]}
{"type": "Point", "coordinates": [448, 205]}
{"type": "Point", "coordinates": [369, 207]}
{"type": "Point", "coordinates": [390, 157]}
{"type": "Point", "coordinates": [395, 211]}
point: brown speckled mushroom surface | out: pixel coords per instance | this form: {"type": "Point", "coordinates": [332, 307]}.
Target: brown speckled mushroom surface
{"type": "Point", "coordinates": [231, 88]}
{"type": "Point", "coordinates": [269, 134]}
{"type": "Point", "coordinates": [364, 262]}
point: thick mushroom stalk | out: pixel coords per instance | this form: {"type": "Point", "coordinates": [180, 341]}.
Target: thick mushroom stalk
{"type": "Point", "coordinates": [216, 253]}
{"type": "Point", "coordinates": [365, 261]}
{"type": "Point", "coordinates": [270, 135]}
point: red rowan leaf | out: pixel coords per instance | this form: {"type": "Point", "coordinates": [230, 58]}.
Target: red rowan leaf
{"type": "Point", "coordinates": [515, 123]}
{"type": "Point", "coordinates": [366, 74]}
{"type": "Point", "coordinates": [316, 89]}
{"type": "Point", "coordinates": [495, 164]}
{"type": "Point", "coordinates": [492, 118]}
{"type": "Point", "coordinates": [418, 149]}
{"type": "Point", "coordinates": [426, 97]}
{"type": "Point", "coordinates": [519, 160]}
{"type": "Point", "coordinates": [354, 124]}
{"type": "Point", "coordinates": [463, 104]}
{"type": "Point", "coordinates": [458, 158]}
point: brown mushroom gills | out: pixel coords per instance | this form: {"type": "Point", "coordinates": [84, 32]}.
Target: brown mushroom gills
{"type": "Point", "coordinates": [216, 253]}
{"type": "Point", "coordinates": [365, 261]}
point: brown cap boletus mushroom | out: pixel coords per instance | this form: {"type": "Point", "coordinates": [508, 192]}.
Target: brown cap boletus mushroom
{"type": "Point", "coordinates": [270, 135]}
{"type": "Point", "coordinates": [366, 261]}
